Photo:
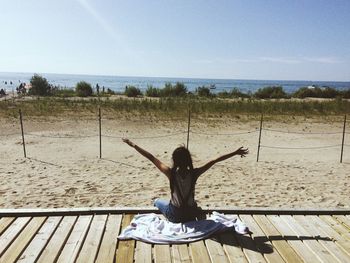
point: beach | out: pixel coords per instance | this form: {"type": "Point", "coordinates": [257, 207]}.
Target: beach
{"type": "Point", "coordinates": [63, 168]}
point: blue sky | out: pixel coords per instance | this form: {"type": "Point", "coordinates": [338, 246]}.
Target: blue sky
{"type": "Point", "coordinates": [267, 39]}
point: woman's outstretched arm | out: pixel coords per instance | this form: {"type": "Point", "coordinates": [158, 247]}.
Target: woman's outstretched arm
{"type": "Point", "coordinates": [240, 151]}
{"type": "Point", "coordinates": [161, 166]}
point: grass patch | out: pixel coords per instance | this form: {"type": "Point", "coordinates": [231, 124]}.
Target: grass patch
{"type": "Point", "coordinates": [169, 107]}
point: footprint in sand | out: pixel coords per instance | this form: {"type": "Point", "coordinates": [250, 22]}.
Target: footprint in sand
{"type": "Point", "coordinates": [71, 190]}
{"type": "Point", "coordinates": [92, 189]}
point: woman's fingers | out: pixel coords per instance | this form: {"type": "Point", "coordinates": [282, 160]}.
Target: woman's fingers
{"type": "Point", "coordinates": [126, 140]}
{"type": "Point", "coordinates": [243, 152]}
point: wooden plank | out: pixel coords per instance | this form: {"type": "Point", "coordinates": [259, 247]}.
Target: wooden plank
{"type": "Point", "coordinates": [125, 250]}
{"type": "Point", "coordinates": [337, 226]}
{"type": "Point", "coordinates": [32, 252]}
{"type": "Point", "coordinates": [57, 241]}
{"type": "Point", "coordinates": [180, 254]}
{"type": "Point", "coordinates": [71, 249]}
{"type": "Point", "coordinates": [109, 242]}
{"type": "Point", "coordinates": [75, 211]}
{"type": "Point", "coordinates": [162, 254]}
{"type": "Point", "coordinates": [223, 250]}
{"type": "Point", "coordinates": [5, 222]}
{"type": "Point", "coordinates": [232, 248]}
{"type": "Point", "coordinates": [249, 248]}
{"type": "Point", "coordinates": [282, 246]}
{"type": "Point", "coordinates": [304, 252]}
{"type": "Point", "coordinates": [143, 252]}
{"type": "Point", "coordinates": [319, 223]}
{"type": "Point", "coordinates": [262, 243]}
{"type": "Point", "coordinates": [309, 240]}
{"type": "Point", "coordinates": [328, 230]}
{"type": "Point", "coordinates": [11, 232]}
{"type": "Point", "coordinates": [199, 252]}
{"type": "Point", "coordinates": [91, 244]}
{"type": "Point", "coordinates": [216, 251]}
{"type": "Point", "coordinates": [18, 245]}
{"type": "Point", "coordinates": [345, 220]}
{"type": "Point", "coordinates": [312, 226]}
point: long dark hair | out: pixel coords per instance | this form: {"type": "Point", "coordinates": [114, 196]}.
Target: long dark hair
{"type": "Point", "coordinates": [182, 159]}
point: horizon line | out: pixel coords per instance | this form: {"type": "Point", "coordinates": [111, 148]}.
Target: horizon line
{"type": "Point", "coordinates": [167, 77]}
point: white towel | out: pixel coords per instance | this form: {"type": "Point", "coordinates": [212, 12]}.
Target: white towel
{"type": "Point", "coordinates": [152, 229]}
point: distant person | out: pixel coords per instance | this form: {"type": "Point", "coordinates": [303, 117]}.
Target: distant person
{"type": "Point", "coordinates": [103, 89]}
{"type": "Point", "coordinates": [182, 206]}
{"type": "Point", "coordinates": [2, 93]}
{"type": "Point", "coordinates": [21, 89]}
{"type": "Point", "coordinates": [97, 89]}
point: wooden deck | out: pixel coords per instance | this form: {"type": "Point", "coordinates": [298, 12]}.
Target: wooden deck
{"type": "Point", "coordinates": [90, 235]}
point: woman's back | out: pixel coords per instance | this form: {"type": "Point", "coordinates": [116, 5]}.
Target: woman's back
{"type": "Point", "coordinates": [182, 188]}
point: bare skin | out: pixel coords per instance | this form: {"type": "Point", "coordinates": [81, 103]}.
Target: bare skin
{"type": "Point", "coordinates": [165, 169]}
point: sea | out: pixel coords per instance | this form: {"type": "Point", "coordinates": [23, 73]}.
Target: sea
{"type": "Point", "coordinates": [9, 82]}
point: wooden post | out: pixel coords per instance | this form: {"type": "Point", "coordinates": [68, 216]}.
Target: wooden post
{"type": "Point", "coordinates": [189, 122]}
{"type": "Point", "coordinates": [261, 121]}
{"type": "Point", "coordinates": [23, 142]}
{"type": "Point", "coordinates": [99, 120]}
{"type": "Point", "coordinates": [342, 143]}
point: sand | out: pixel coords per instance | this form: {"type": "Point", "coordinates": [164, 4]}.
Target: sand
{"type": "Point", "coordinates": [63, 168]}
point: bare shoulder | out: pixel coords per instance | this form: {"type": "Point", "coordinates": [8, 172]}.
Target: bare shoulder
{"type": "Point", "coordinates": [165, 169]}
{"type": "Point", "coordinates": [196, 172]}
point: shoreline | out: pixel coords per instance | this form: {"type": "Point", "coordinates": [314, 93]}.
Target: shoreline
{"type": "Point", "coordinates": [110, 81]}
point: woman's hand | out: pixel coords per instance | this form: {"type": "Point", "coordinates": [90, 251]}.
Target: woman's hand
{"type": "Point", "coordinates": [242, 152]}
{"type": "Point", "coordinates": [127, 141]}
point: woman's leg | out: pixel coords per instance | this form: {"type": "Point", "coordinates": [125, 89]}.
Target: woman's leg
{"type": "Point", "coordinates": [168, 210]}
{"type": "Point", "coordinates": [162, 205]}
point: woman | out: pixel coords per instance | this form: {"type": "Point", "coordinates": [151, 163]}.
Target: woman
{"type": "Point", "coordinates": [182, 177]}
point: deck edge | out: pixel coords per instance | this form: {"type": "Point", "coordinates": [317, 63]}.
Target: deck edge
{"type": "Point", "coordinates": [137, 210]}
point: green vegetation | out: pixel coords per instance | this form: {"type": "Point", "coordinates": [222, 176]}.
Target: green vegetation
{"type": "Point", "coordinates": [345, 94]}
{"type": "Point", "coordinates": [173, 101]}
{"type": "Point", "coordinates": [317, 92]}
{"type": "Point", "coordinates": [170, 107]}
{"type": "Point", "coordinates": [40, 86]}
{"type": "Point", "coordinates": [83, 89]}
{"type": "Point", "coordinates": [275, 92]}
{"type": "Point", "coordinates": [234, 93]}
{"type": "Point", "coordinates": [152, 91]}
{"type": "Point", "coordinates": [169, 90]}
{"type": "Point", "coordinates": [131, 91]}
{"type": "Point", "coordinates": [64, 92]}
{"type": "Point", "coordinates": [177, 90]}
{"type": "Point", "coordinates": [204, 92]}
